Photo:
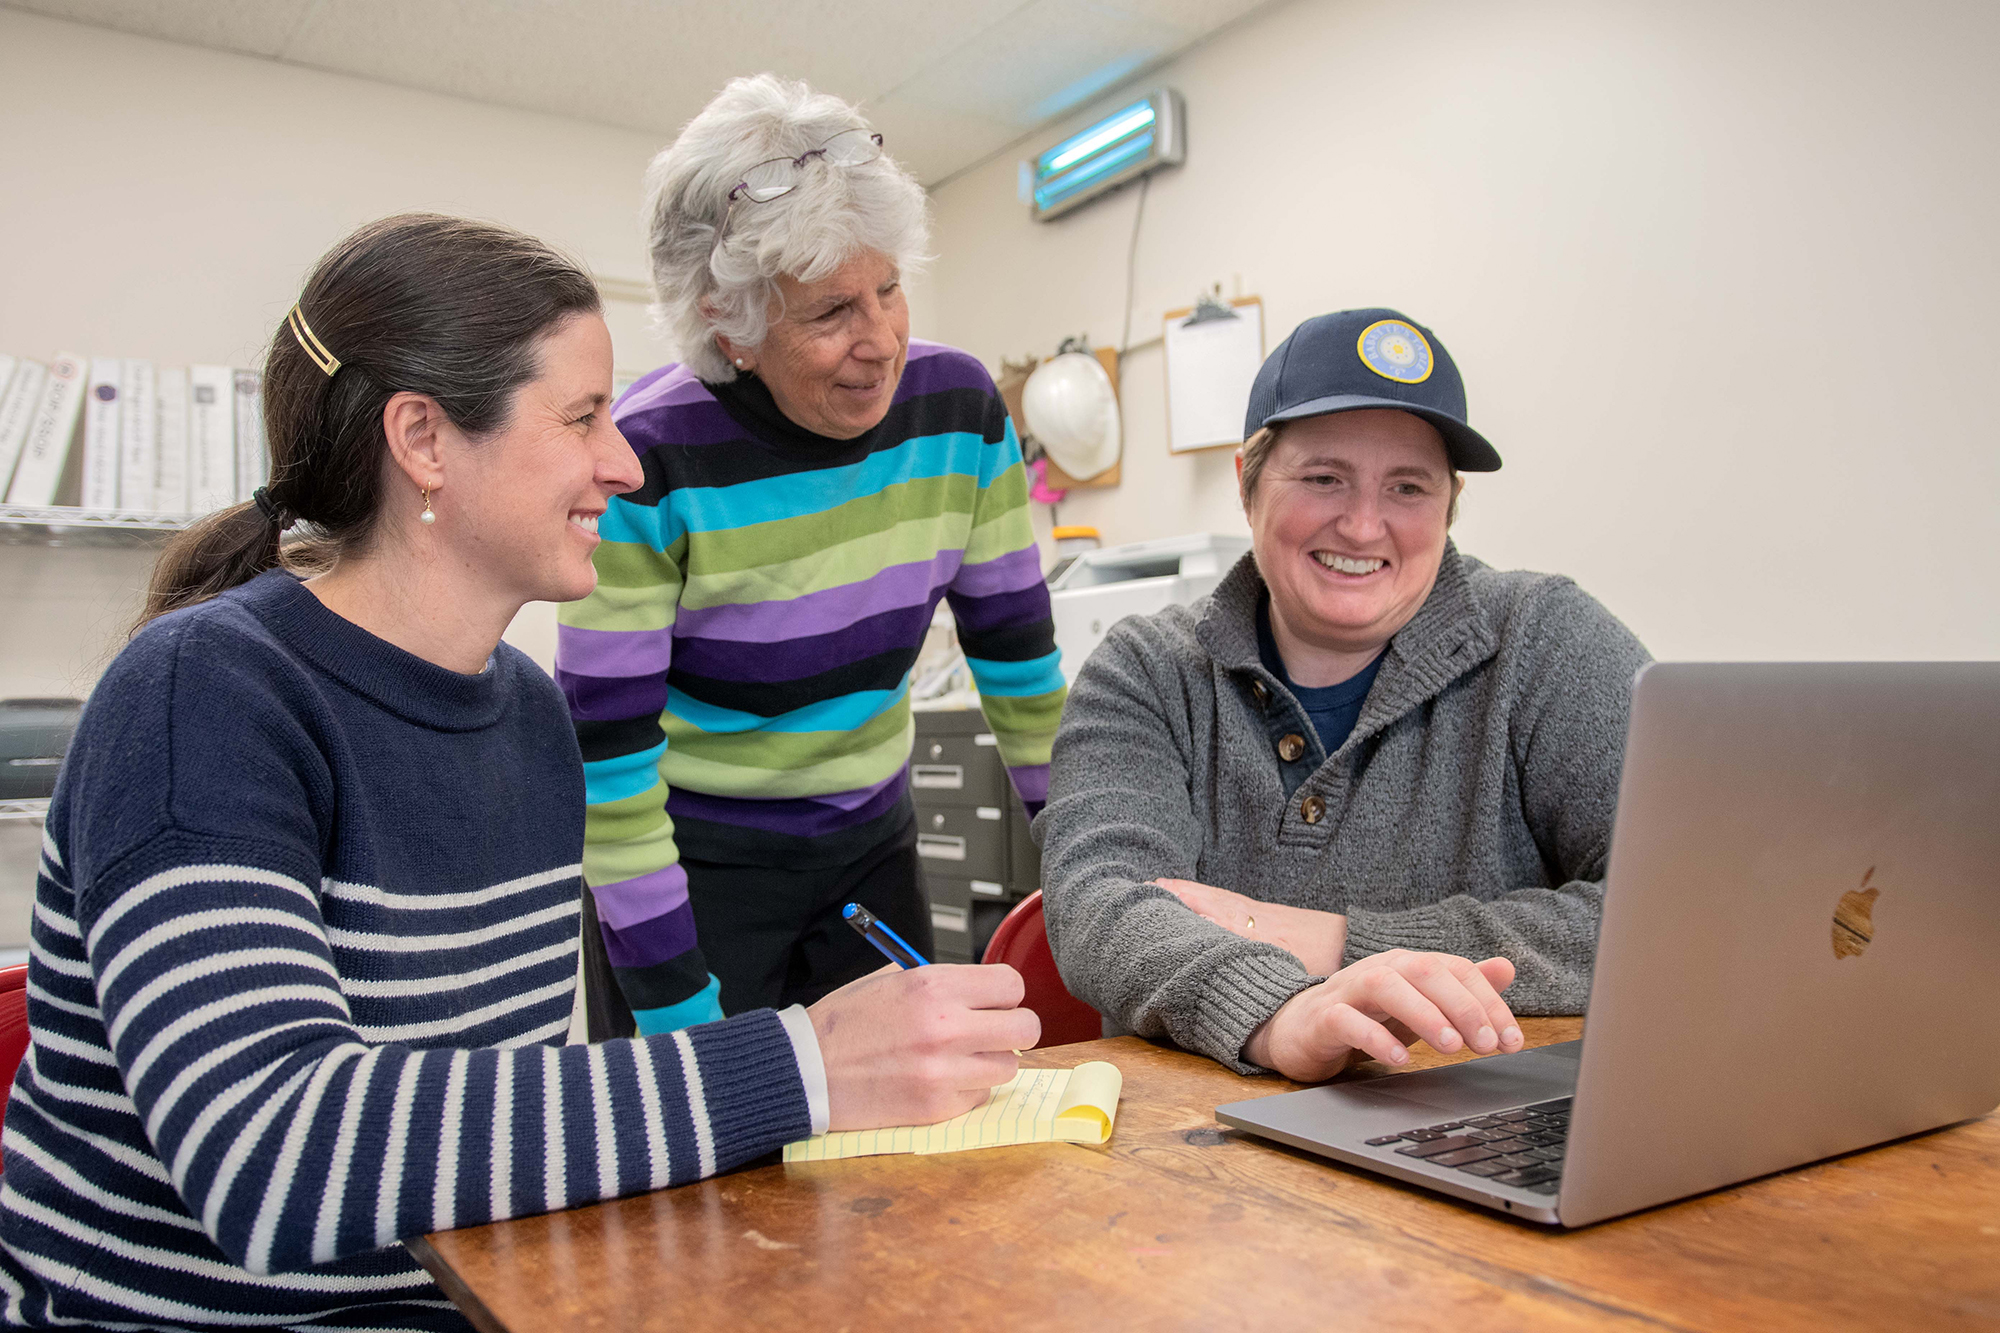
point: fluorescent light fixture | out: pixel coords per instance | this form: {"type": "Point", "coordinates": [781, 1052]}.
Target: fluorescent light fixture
{"type": "Point", "coordinates": [1123, 146]}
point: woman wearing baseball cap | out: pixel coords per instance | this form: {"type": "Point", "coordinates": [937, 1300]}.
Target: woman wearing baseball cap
{"type": "Point", "coordinates": [1283, 820]}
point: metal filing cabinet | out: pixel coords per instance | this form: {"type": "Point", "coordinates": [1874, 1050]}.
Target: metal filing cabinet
{"type": "Point", "coordinates": [972, 834]}
{"type": "Point", "coordinates": [34, 736]}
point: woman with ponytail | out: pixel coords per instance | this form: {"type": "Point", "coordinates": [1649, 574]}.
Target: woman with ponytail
{"type": "Point", "coordinates": [306, 930]}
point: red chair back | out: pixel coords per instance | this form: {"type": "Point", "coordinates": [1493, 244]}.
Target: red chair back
{"type": "Point", "coordinates": [13, 1027]}
{"type": "Point", "coordinates": [1022, 942]}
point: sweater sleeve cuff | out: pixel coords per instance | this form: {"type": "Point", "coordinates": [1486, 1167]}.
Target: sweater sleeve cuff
{"type": "Point", "coordinates": [1238, 997]}
{"type": "Point", "coordinates": [1370, 933]}
{"type": "Point", "coordinates": [812, 1067]}
{"type": "Point", "coordinates": [745, 1081]}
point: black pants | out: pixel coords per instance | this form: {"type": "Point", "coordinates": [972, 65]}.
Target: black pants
{"type": "Point", "coordinates": [774, 937]}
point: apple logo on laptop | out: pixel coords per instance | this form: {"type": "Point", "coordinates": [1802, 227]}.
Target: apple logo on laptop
{"type": "Point", "coordinates": [1853, 919]}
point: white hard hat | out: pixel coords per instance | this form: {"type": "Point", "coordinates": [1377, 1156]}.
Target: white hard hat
{"type": "Point", "coordinates": [1073, 410]}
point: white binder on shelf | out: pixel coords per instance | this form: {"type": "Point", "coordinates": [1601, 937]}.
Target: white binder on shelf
{"type": "Point", "coordinates": [103, 422]}
{"type": "Point", "coordinates": [170, 478]}
{"type": "Point", "coordinates": [253, 465]}
{"type": "Point", "coordinates": [211, 438]}
{"type": "Point", "coordinates": [138, 437]}
{"type": "Point", "coordinates": [17, 413]}
{"type": "Point", "coordinates": [40, 470]}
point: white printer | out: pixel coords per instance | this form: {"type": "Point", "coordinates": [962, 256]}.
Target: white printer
{"type": "Point", "coordinates": [1091, 592]}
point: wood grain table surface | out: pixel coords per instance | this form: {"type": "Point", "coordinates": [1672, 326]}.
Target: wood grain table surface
{"type": "Point", "coordinates": [1179, 1223]}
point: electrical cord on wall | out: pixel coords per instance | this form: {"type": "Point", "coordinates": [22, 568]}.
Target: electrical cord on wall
{"type": "Point", "coordinates": [1132, 260]}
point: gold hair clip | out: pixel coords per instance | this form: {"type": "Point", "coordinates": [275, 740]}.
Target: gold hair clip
{"type": "Point", "coordinates": [314, 348]}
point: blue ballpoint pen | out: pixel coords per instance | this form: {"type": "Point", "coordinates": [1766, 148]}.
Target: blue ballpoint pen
{"type": "Point", "coordinates": [892, 946]}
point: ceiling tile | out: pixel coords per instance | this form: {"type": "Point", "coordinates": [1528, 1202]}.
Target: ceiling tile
{"type": "Point", "coordinates": [254, 27]}
{"type": "Point", "coordinates": [1195, 17]}
{"type": "Point", "coordinates": [931, 143]}
{"type": "Point", "coordinates": [637, 63]}
{"type": "Point", "coordinates": [949, 82]}
{"type": "Point", "coordinates": [1049, 57]}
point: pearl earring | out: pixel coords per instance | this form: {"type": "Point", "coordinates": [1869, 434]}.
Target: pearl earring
{"type": "Point", "coordinates": [741, 364]}
{"type": "Point", "coordinates": [427, 516]}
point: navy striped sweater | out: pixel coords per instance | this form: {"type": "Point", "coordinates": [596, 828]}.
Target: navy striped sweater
{"type": "Point", "coordinates": [304, 951]}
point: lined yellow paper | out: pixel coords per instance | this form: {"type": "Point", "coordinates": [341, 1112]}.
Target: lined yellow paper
{"type": "Point", "coordinates": [1035, 1106]}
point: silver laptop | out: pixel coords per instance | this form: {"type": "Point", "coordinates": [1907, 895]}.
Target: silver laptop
{"type": "Point", "coordinates": [1799, 956]}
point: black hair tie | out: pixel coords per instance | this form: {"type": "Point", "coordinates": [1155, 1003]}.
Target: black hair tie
{"type": "Point", "coordinates": [273, 513]}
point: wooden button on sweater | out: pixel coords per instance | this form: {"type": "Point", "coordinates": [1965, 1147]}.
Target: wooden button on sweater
{"type": "Point", "coordinates": [1259, 694]}
{"type": "Point", "coordinates": [1291, 747]}
{"type": "Point", "coordinates": [1312, 809]}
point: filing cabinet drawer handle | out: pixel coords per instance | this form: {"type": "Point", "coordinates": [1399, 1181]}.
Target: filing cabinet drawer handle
{"type": "Point", "coordinates": [938, 777]}
{"type": "Point", "coordinates": [951, 918]}
{"type": "Point", "coordinates": [940, 847]}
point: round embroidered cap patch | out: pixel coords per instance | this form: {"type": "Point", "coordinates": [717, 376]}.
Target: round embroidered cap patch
{"type": "Point", "coordinates": [1395, 351]}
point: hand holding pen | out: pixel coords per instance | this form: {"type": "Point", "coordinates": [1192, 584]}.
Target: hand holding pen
{"type": "Point", "coordinates": [921, 1043]}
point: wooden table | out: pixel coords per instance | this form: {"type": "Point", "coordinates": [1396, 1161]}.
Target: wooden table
{"type": "Point", "coordinates": [1178, 1223]}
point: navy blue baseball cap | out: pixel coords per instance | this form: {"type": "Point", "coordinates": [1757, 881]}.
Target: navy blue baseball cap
{"type": "Point", "coordinates": [1354, 359]}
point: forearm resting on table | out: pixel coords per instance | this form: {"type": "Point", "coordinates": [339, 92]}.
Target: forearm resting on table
{"type": "Point", "coordinates": [1317, 939]}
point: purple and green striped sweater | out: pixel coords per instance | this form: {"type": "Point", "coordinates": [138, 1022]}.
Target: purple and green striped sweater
{"type": "Point", "coordinates": [740, 678]}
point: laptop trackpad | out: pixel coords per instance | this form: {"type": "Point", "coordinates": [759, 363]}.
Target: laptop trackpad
{"type": "Point", "coordinates": [1478, 1085]}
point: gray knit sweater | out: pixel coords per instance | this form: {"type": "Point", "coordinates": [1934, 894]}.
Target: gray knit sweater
{"type": "Point", "coordinates": [1468, 812]}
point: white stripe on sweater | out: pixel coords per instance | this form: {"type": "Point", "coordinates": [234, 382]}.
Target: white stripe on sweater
{"type": "Point", "coordinates": [228, 1007]}
{"type": "Point", "coordinates": [390, 1188]}
{"type": "Point", "coordinates": [421, 902]}
{"type": "Point", "coordinates": [361, 939]}
{"type": "Point", "coordinates": [385, 1033]}
{"type": "Point", "coordinates": [122, 1153]}
{"type": "Point", "coordinates": [35, 992]}
{"type": "Point", "coordinates": [503, 1136]}
{"type": "Point", "coordinates": [171, 1095]}
{"type": "Point", "coordinates": [174, 981]}
{"type": "Point", "coordinates": [555, 1158]}
{"type": "Point", "coordinates": [247, 1141]}
{"type": "Point", "coordinates": [69, 967]}
{"type": "Point", "coordinates": [539, 1036]}
{"type": "Point", "coordinates": [332, 1203]}
{"type": "Point", "coordinates": [444, 1194]}
{"type": "Point", "coordinates": [194, 1265]}
{"type": "Point", "coordinates": [661, 1165]}
{"type": "Point", "coordinates": [704, 1137]}
{"type": "Point", "coordinates": [50, 1040]}
{"type": "Point", "coordinates": [181, 876]}
{"type": "Point", "coordinates": [70, 1092]}
{"type": "Point", "coordinates": [180, 927]}
{"type": "Point", "coordinates": [78, 1183]}
{"type": "Point", "coordinates": [284, 1172]}
{"type": "Point", "coordinates": [607, 1124]}
{"type": "Point", "coordinates": [198, 1131]}
{"type": "Point", "coordinates": [58, 923]}
{"type": "Point", "coordinates": [397, 988]}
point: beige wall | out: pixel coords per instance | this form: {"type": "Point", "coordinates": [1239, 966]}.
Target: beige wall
{"type": "Point", "coordinates": [165, 201]}
{"type": "Point", "coordinates": [1721, 277]}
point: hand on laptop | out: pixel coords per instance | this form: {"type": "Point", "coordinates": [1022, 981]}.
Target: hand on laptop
{"type": "Point", "coordinates": [1317, 939]}
{"type": "Point", "coordinates": [1378, 1005]}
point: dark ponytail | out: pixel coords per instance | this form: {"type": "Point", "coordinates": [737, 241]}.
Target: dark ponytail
{"type": "Point", "coordinates": [441, 306]}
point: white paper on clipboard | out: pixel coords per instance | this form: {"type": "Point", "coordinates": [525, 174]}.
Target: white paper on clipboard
{"type": "Point", "coordinates": [1210, 366]}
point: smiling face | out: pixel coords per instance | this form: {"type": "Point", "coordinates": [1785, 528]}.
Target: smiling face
{"type": "Point", "coordinates": [1348, 523]}
{"type": "Point", "coordinates": [835, 351]}
{"type": "Point", "coordinates": [519, 508]}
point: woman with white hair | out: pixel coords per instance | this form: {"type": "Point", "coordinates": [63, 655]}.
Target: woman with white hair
{"type": "Point", "coordinates": [814, 482]}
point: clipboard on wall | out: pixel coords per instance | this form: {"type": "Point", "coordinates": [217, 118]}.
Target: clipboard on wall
{"type": "Point", "coordinates": [1212, 359]}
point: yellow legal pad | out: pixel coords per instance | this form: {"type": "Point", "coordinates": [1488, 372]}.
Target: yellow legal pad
{"type": "Point", "coordinates": [1035, 1106]}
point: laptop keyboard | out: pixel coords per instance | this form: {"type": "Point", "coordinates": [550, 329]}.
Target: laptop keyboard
{"type": "Point", "coordinates": [1522, 1147]}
